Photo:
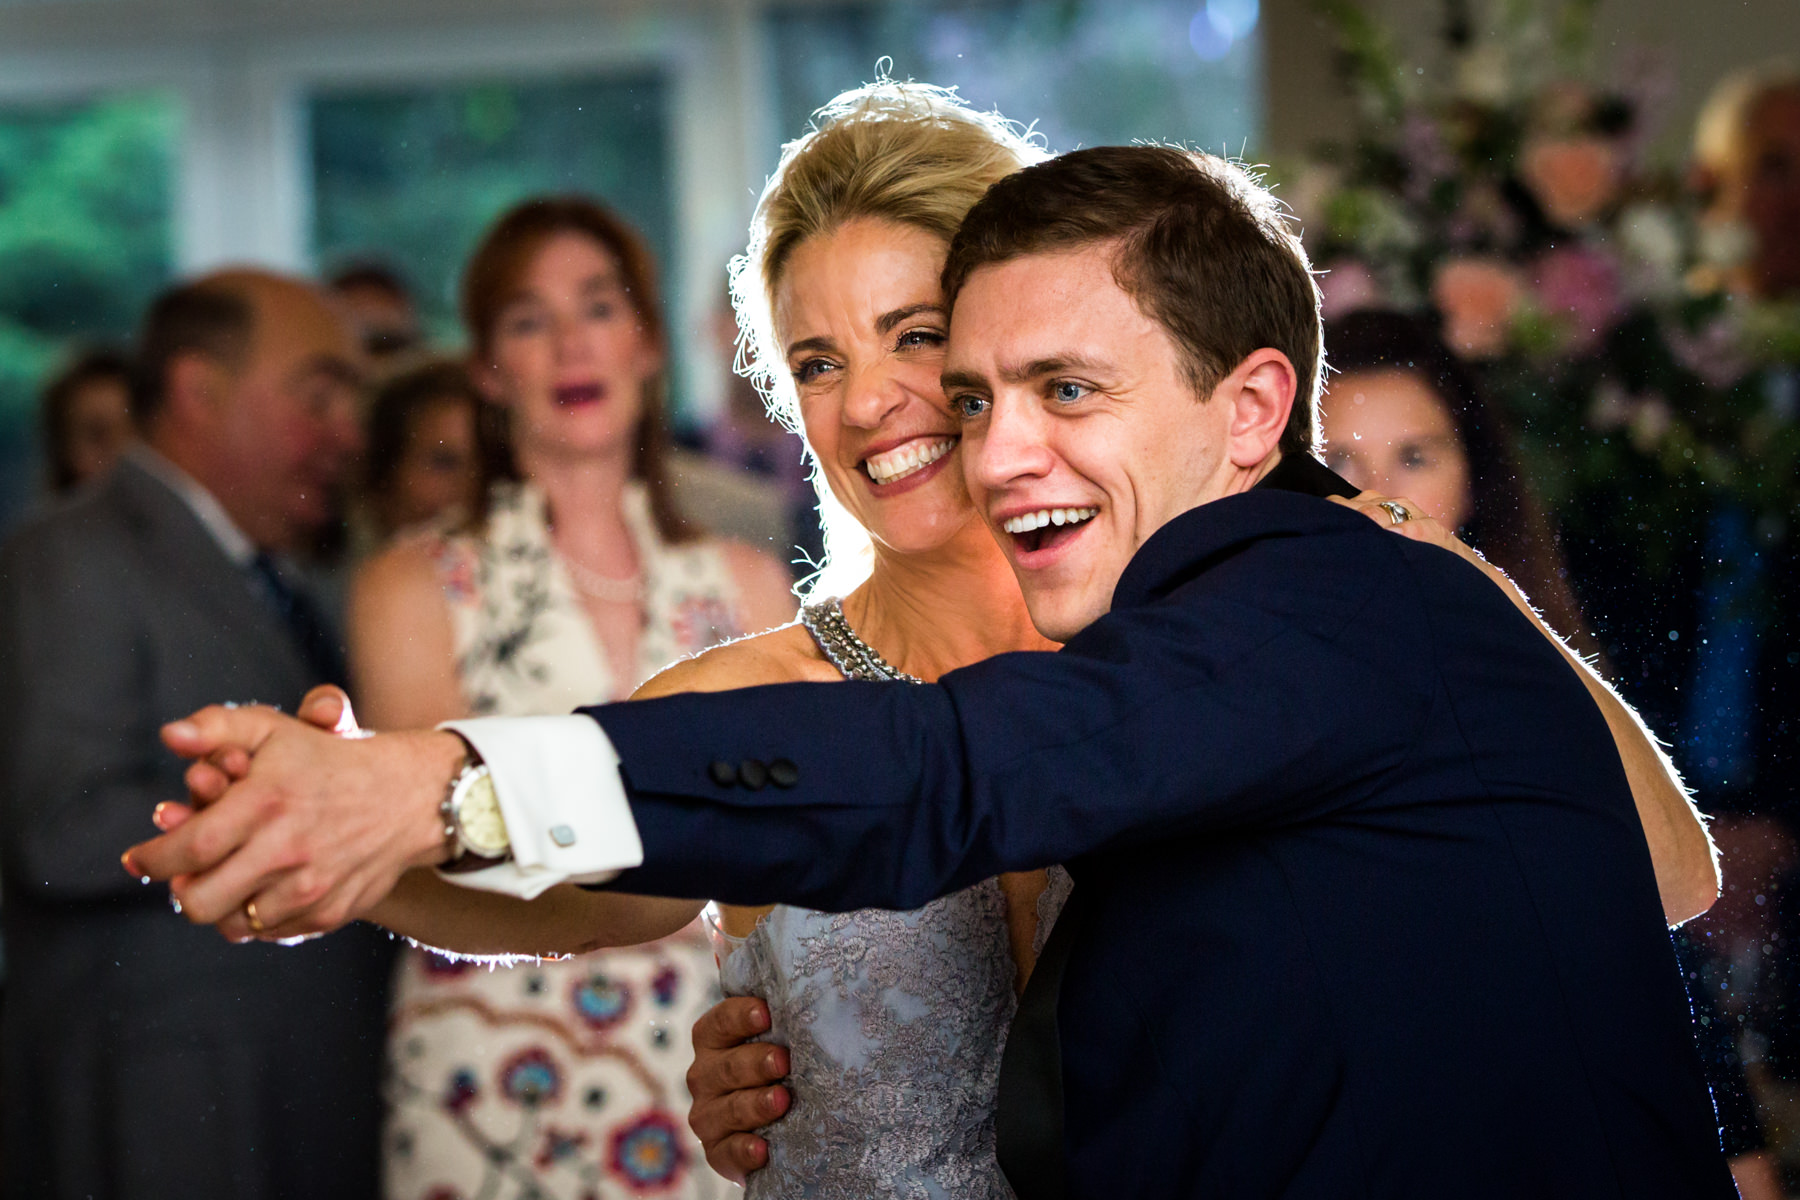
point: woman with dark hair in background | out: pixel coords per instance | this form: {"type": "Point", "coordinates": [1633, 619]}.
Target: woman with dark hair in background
{"type": "Point", "coordinates": [86, 413]}
{"type": "Point", "coordinates": [1404, 417]}
{"type": "Point", "coordinates": [571, 581]}
{"type": "Point", "coordinates": [420, 448]}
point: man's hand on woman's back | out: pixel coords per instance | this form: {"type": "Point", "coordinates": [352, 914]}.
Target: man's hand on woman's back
{"type": "Point", "coordinates": [730, 1083]}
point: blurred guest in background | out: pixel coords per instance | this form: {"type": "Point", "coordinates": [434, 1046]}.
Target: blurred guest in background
{"type": "Point", "coordinates": [1747, 167]}
{"type": "Point", "coordinates": [86, 414]}
{"type": "Point", "coordinates": [420, 448]}
{"type": "Point", "coordinates": [574, 581]}
{"type": "Point", "coordinates": [1725, 656]}
{"type": "Point", "coordinates": [1404, 417]}
{"type": "Point", "coordinates": [144, 1058]}
{"type": "Point", "coordinates": [730, 501]}
{"type": "Point", "coordinates": [379, 306]}
{"type": "Point", "coordinates": [746, 436]}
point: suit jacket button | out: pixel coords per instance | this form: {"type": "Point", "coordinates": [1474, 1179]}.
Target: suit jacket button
{"type": "Point", "coordinates": [783, 773]}
{"type": "Point", "coordinates": [723, 773]}
{"type": "Point", "coordinates": [753, 774]}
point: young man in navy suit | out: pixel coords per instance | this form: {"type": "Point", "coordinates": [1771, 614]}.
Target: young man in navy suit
{"type": "Point", "coordinates": [1362, 903]}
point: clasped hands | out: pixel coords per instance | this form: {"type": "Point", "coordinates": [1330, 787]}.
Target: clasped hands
{"type": "Point", "coordinates": [308, 819]}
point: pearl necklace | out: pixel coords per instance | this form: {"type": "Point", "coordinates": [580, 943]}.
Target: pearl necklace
{"type": "Point", "coordinates": [595, 586]}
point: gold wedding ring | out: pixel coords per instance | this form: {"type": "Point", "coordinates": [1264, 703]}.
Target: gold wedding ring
{"type": "Point", "coordinates": [1396, 511]}
{"type": "Point", "coordinates": [256, 925]}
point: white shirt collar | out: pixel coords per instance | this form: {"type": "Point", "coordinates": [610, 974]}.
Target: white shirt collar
{"type": "Point", "coordinates": [205, 506]}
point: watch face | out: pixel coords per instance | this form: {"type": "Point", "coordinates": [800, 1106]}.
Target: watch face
{"type": "Point", "coordinates": [479, 823]}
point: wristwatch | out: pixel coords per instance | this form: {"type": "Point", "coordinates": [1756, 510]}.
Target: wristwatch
{"type": "Point", "coordinates": [473, 822]}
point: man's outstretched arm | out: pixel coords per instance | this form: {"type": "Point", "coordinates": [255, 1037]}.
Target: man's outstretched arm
{"type": "Point", "coordinates": [895, 794]}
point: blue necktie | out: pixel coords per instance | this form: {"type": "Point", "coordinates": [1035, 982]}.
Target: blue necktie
{"type": "Point", "coordinates": [311, 632]}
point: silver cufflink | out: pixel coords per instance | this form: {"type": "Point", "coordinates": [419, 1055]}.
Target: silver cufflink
{"type": "Point", "coordinates": [562, 835]}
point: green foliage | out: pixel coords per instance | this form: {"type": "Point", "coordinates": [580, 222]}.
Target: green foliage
{"type": "Point", "coordinates": [84, 231]}
{"type": "Point", "coordinates": [413, 176]}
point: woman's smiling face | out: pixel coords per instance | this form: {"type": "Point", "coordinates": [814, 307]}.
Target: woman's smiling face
{"type": "Point", "coordinates": [859, 314]}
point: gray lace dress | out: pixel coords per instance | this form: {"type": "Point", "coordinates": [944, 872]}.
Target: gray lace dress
{"type": "Point", "coordinates": [894, 1022]}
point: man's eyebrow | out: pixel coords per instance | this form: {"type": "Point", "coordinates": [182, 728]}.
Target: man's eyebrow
{"type": "Point", "coordinates": [603, 281]}
{"type": "Point", "coordinates": [969, 380]}
{"type": "Point", "coordinates": [1040, 367]}
{"type": "Point", "coordinates": [886, 321]}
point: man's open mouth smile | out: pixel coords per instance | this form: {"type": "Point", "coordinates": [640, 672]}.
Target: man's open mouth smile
{"type": "Point", "coordinates": [1044, 528]}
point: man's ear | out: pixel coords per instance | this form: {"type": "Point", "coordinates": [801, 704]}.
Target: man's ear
{"type": "Point", "coordinates": [196, 387]}
{"type": "Point", "coordinates": [1261, 394]}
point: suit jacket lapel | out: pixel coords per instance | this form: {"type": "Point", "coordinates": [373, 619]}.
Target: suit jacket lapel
{"type": "Point", "coordinates": [179, 547]}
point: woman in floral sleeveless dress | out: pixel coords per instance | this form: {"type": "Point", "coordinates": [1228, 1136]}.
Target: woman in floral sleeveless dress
{"type": "Point", "coordinates": [551, 1079]}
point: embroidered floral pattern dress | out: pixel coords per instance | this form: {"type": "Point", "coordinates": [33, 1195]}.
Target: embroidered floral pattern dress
{"type": "Point", "coordinates": [555, 1081]}
{"type": "Point", "coordinates": [894, 1023]}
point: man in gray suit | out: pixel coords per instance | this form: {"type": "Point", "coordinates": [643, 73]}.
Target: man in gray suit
{"type": "Point", "coordinates": [144, 1057]}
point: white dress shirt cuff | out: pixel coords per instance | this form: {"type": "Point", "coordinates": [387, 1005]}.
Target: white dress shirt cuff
{"type": "Point", "coordinates": [557, 779]}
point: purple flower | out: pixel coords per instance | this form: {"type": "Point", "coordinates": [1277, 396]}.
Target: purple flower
{"type": "Point", "coordinates": [1347, 285]}
{"type": "Point", "coordinates": [1428, 159]}
{"type": "Point", "coordinates": [1579, 285]}
{"type": "Point", "coordinates": [1714, 352]}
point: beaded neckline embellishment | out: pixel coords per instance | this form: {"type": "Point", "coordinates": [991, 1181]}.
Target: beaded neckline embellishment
{"type": "Point", "coordinates": [846, 651]}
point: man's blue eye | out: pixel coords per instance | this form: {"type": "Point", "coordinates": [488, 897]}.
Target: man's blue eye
{"type": "Point", "coordinates": [968, 407]}
{"type": "Point", "coordinates": [1068, 393]}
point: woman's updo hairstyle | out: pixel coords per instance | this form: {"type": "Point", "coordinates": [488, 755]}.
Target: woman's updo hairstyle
{"type": "Point", "coordinates": [909, 153]}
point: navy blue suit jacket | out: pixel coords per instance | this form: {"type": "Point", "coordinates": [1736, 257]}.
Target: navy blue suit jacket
{"type": "Point", "coordinates": [1368, 911]}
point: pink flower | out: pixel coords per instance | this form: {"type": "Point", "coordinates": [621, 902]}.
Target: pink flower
{"type": "Point", "coordinates": [1580, 286]}
{"type": "Point", "coordinates": [1713, 352]}
{"type": "Point", "coordinates": [1347, 285]}
{"type": "Point", "coordinates": [1573, 178]}
{"type": "Point", "coordinates": [1478, 297]}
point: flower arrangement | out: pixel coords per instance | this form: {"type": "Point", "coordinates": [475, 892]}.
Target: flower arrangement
{"type": "Point", "coordinates": [1504, 189]}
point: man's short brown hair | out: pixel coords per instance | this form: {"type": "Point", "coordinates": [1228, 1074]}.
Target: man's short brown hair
{"type": "Point", "coordinates": [212, 316]}
{"type": "Point", "coordinates": [1204, 250]}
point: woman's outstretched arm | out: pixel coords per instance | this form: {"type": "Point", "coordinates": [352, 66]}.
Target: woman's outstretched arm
{"type": "Point", "coordinates": [402, 659]}
{"type": "Point", "coordinates": [564, 920]}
